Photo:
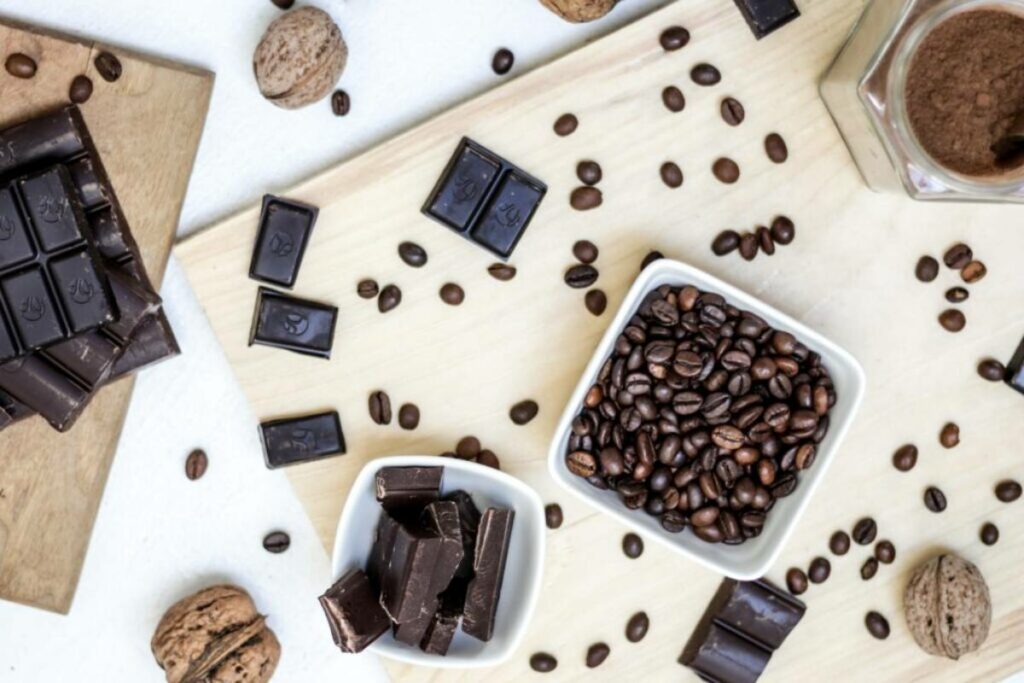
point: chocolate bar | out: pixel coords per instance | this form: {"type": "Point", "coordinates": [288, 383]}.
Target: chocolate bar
{"type": "Point", "coordinates": [765, 16]}
{"type": "Point", "coordinates": [485, 198]}
{"type": "Point", "coordinates": [301, 439]}
{"type": "Point", "coordinates": [285, 228]}
{"type": "Point", "coordinates": [298, 325]}
{"type": "Point", "coordinates": [408, 487]}
{"type": "Point", "coordinates": [441, 629]}
{"type": "Point", "coordinates": [407, 581]}
{"type": "Point", "coordinates": [743, 625]}
{"type": "Point", "coordinates": [1015, 369]}
{"type": "Point", "coordinates": [469, 520]}
{"type": "Point", "coordinates": [484, 591]}
{"type": "Point", "coordinates": [355, 616]}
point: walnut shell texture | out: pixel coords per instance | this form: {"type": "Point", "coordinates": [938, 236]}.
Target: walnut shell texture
{"type": "Point", "coordinates": [300, 58]}
{"type": "Point", "coordinates": [215, 636]}
{"type": "Point", "coordinates": [579, 11]}
{"type": "Point", "coordinates": [948, 607]}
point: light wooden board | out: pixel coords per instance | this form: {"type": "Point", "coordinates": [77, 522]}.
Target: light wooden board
{"type": "Point", "coordinates": [147, 127]}
{"type": "Point", "coordinates": [849, 274]}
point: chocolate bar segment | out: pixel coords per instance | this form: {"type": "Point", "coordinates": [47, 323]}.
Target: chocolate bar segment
{"type": "Point", "coordinates": [44, 388]}
{"type": "Point", "coordinates": [469, 521]}
{"type": "Point", "coordinates": [1015, 369]}
{"type": "Point", "coordinates": [441, 630]}
{"type": "Point", "coordinates": [484, 591]}
{"type": "Point", "coordinates": [724, 656]}
{"type": "Point", "coordinates": [353, 612]}
{"type": "Point", "coordinates": [285, 229]}
{"type": "Point", "coordinates": [301, 439]}
{"type": "Point", "coordinates": [765, 16]}
{"type": "Point", "coordinates": [460, 192]}
{"type": "Point", "coordinates": [407, 581]}
{"type": "Point", "coordinates": [408, 487]}
{"type": "Point", "coordinates": [298, 325]}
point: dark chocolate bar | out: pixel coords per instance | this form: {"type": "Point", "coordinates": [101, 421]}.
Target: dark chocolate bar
{"type": "Point", "coordinates": [469, 520]}
{"type": "Point", "coordinates": [765, 16]}
{"type": "Point", "coordinates": [408, 579]}
{"type": "Point", "coordinates": [298, 325]}
{"type": "Point", "coordinates": [285, 228]}
{"type": "Point", "coordinates": [485, 198]}
{"type": "Point", "coordinates": [353, 612]}
{"type": "Point", "coordinates": [44, 387]}
{"type": "Point", "coordinates": [408, 487]}
{"type": "Point", "coordinates": [1015, 369]}
{"type": "Point", "coordinates": [441, 630]}
{"type": "Point", "coordinates": [484, 591]}
{"type": "Point", "coordinates": [380, 554]}
{"type": "Point", "coordinates": [301, 439]}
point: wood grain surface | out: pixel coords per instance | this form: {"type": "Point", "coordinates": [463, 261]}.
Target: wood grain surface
{"type": "Point", "coordinates": [147, 127]}
{"type": "Point", "coordinates": [849, 274]}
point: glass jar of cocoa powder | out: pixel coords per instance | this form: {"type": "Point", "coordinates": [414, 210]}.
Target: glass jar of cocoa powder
{"type": "Point", "coordinates": [929, 97]}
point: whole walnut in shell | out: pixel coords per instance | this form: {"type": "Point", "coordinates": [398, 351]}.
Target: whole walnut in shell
{"type": "Point", "coordinates": [215, 636]}
{"type": "Point", "coordinates": [947, 606]}
{"type": "Point", "coordinates": [300, 58]}
{"type": "Point", "coordinates": [579, 11]}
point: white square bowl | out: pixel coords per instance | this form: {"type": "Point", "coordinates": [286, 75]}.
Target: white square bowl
{"type": "Point", "coordinates": [523, 569]}
{"type": "Point", "coordinates": [749, 560]}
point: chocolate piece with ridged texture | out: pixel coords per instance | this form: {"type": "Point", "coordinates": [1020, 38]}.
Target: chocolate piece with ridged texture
{"type": "Point", "coordinates": [494, 536]}
{"type": "Point", "coordinates": [353, 612]}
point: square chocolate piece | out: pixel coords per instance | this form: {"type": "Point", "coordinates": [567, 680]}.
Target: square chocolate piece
{"type": "Point", "coordinates": [299, 325]}
{"type": "Point", "coordinates": [353, 612]}
{"type": "Point", "coordinates": [301, 439]}
{"type": "Point", "coordinates": [285, 228]}
{"type": "Point", "coordinates": [766, 16]}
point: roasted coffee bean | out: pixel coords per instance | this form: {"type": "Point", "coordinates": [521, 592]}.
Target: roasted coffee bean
{"type": "Point", "coordinates": [869, 569]}
{"type": "Point", "coordinates": [566, 124]}
{"type": "Point", "coordinates": [957, 295]}
{"type": "Point", "coordinates": [468, 448]}
{"type": "Point", "coordinates": [632, 546]}
{"type": "Point", "coordinates": [367, 289]}
{"type": "Point", "coordinates": [341, 103]}
{"type": "Point", "coordinates": [596, 301]}
{"type": "Point", "coordinates": [651, 257]}
{"type": "Point", "coordinates": [502, 61]}
{"type": "Point", "coordinates": [973, 271]}
{"type": "Point", "coordinates": [952, 320]}
{"type": "Point", "coordinates": [412, 254]}
{"type": "Point", "coordinates": [585, 251]}
{"type": "Point", "coordinates": [819, 570]}
{"type": "Point", "coordinates": [637, 626]}
{"type": "Point", "coordinates": [542, 662]}
{"type": "Point", "coordinates": [585, 198]}
{"type": "Point", "coordinates": [839, 544]}
{"type": "Point", "coordinates": [704, 516]}
{"type": "Point", "coordinates": [21, 65]}
{"type": "Point", "coordinates": [877, 625]}
{"type": "Point", "coordinates": [80, 90]}
{"type": "Point", "coordinates": [727, 437]}
{"type": "Point", "coordinates": [927, 269]}
{"type": "Point", "coordinates": [673, 521]}
{"type": "Point", "coordinates": [775, 148]}
{"type": "Point", "coordinates": [524, 411]}
{"type": "Point", "coordinates": [949, 437]}
{"type": "Point", "coordinates": [408, 416]}
{"type": "Point", "coordinates": [885, 552]}
{"type": "Point", "coordinates": [732, 111]}
{"type": "Point", "coordinates": [452, 294]}
{"type": "Point", "coordinates": [726, 170]}
{"type": "Point", "coordinates": [783, 230]}
{"type": "Point", "coordinates": [196, 464]}
{"type": "Point", "coordinates": [727, 241]}
{"type": "Point", "coordinates": [108, 66]}
{"type": "Point", "coordinates": [581, 463]}
{"type": "Point", "coordinates": [1008, 490]}
{"type": "Point", "coordinates": [283, 4]}
{"type": "Point", "coordinates": [671, 174]}
{"type": "Point", "coordinates": [596, 654]}
{"type": "Point", "coordinates": [589, 173]}
{"type": "Point", "coordinates": [992, 370]}
{"type": "Point", "coordinates": [989, 533]}
{"type": "Point", "coordinates": [958, 256]}
{"type": "Point", "coordinates": [673, 99]}
{"type": "Point", "coordinates": [581, 276]}
{"type": "Point", "coordinates": [905, 457]}
{"type": "Point", "coordinates": [705, 74]}
{"type": "Point", "coordinates": [749, 246]}
{"type": "Point", "coordinates": [934, 499]}
{"type": "Point", "coordinates": [864, 531]}
{"type": "Point", "coordinates": [764, 239]}
{"type": "Point", "coordinates": [501, 271]}
{"type": "Point", "coordinates": [389, 299]}
{"type": "Point", "coordinates": [276, 542]}
{"type": "Point", "coordinates": [380, 407]}
{"type": "Point", "coordinates": [674, 38]}
{"type": "Point", "coordinates": [553, 515]}
{"type": "Point", "coordinates": [796, 581]}
{"type": "Point", "coordinates": [487, 458]}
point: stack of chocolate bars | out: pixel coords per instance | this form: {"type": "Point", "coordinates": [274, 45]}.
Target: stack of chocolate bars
{"type": "Point", "coordinates": [77, 309]}
{"type": "Point", "coordinates": [436, 560]}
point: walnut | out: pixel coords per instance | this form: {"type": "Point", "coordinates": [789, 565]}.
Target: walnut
{"type": "Point", "coordinates": [215, 636]}
{"type": "Point", "coordinates": [580, 11]}
{"type": "Point", "coordinates": [947, 606]}
{"type": "Point", "coordinates": [300, 58]}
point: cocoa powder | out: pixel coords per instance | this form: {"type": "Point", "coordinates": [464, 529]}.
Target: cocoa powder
{"type": "Point", "coordinates": [965, 89]}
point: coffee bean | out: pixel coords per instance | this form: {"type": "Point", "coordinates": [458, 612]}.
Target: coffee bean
{"type": "Point", "coordinates": [989, 533]}
{"type": "Point", "coordinates": [1008, 491]}
{"type": "Point", "coordinates": [585, 251]}
{"type": "Point", "coordinates": [864, 531]}
{"type": "Point", "coordinates": [652, 256]}
{"type": "Point", "coordinates": [80, 90]}
{"type": "Point", "coordinates": [927, 269]}
{"type": "Point", "coordinates": [775, 148]}
{"type": "Point", "coordinates": [958, 256]}
{"type": "Point", "coordinates": [973, 272]}
{"type": "Point", "coordinates": [452, 294]}
{"type": "Point", "coordinates": [409, 416]}
{"type": "Point", "coordinates": [671, 174]}
{"type": "Point", "coordinates": [839, 544]}
{"type": "Point", "coordinates": [957, 295]}
{"type": "Point", "coordinates": [502, 61]}
{"type": "Point", "coordinates": [367, 289]}
{"type": "Point", "coordinates": [542, 662]}
{"type": "Point", "coordinates": [632, 546]}
{"type": "Point", "coordinates": [611, 461]}
{"type": "Point", "coordinates": [796, 581]}
{"type": "Point", "coordinates": [869, 569]}
{"type": "Point", "coordinates": [389, 298]}
{"type": "Point", "coordinates": [585, 198]}
{"type": "Point", "coordinates": [749, 246]}
{"type": "Point", "coordinates": [379, 405]}
{"type": "Point", "coordinates": [885, 552]}
{"type": "Point", "coordinates": [673, 99]}
{"type": "Point", "coordinates": [195, 464]}
{"type": "Point", "coordinates": [732, 111]}
{"type": "Point", "coordinates": [276, 542]}
{"type": "Point", "coordinates": [726, 242]}
{"type": "Point", "coordinates": [524, 411]}
{"type": "Point", "coordinates": [566, 124]}
{"type": "Point", "coordinates": [726, 170]}
{"type": "Point", "coordinates": [934, 499]}
{"type": "Point", "coordinates": [728, 437]}
{"type": "Point", "coordinates": [877, 625]}
{"type": "Point", "coordinates": [595, 301]}
{"type": "Point", "coordinates": [487, 458]}
{"type": "Point", "coordinates": [783, 230]}
{"type": "Point", "coordinates": [581, 463]}
{"type": "Point", "coordinates": [284, 4]}
{"type": "Point", "coordinates": [581, 276]}
{"type": "Point", "coordinates": [596, 654]}
{"type": "Point", "coordinates": [501, 271]}
{"type": "Point", "coordinates": [636, 627]}
{"type": "Point", "coordinates": [553, 515]}
{"type": "Point", "coordinates": [705, 74]}
{"type": "Point", "coordinates": [949, 437]}
{"type": "Point", "coordinates": [341, 103]}
{"type": "Point", "coordinates": [21, 65]}
{"type": "Point", "coordinates": [589, 172]}
{"type": "Point", "coordinates": [905, 457]}
{"type": "Point", "coordinates": [412, 254]}
{"type": "Point", "coordinates": [820, 570]}
{"type": "Point", "coordinates": [764, 239]}
{"type": "Point", "coordinates": [468, 448]}
{"type": "Point", "coordinates": [674, 38]}
{"type": "Point", "coordinates": [952, 320]}
{"type": "Point", "coordinates": [108, 66]}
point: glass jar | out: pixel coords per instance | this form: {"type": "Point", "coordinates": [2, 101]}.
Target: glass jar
{"type": "Point", "coordinates": [865, 91]}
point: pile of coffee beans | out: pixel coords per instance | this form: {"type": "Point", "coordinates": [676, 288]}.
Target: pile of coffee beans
{"type": "Point", "coordinates": [762, 239]}
{"type": "Point", "coordinates": [703, 415]}
{"type": "Point", "coordinates": [469, 448]}
{"type": "Point", "coordinates": [584, 274]}
{"type": "Point", "coordinates": [958, 257]}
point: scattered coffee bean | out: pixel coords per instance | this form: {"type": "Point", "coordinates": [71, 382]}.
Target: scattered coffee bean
{"type": "Point", "coordinates": [992, 370]}
{"type": "Point", "coordinates": [284, 4]}
{"type": "Point", "coordinates": [636, 627]}
{"type": "Point", "coordinates": [502, 61]}
{"type": "Point", "coordinates": [589, 172]}
{"type": "Point", "coordinates": [952, 320]}
{"type": "Point", "coordinates": [585, 198]}
{"type": "Point", "coordinates": [524, 411]}
{"type": "Point", "coordinates": [412, 254]}
{"type": "Point", "coordinates": [501, 271]}
{"type": "Point", "coordinates": [585, 251]}
{"type": "Point", "coordinates": [367, 289]}
{"type": "Point", "coordinates": [989, 533]}
{"type": "Point", "coordinates": [566, 124]}
{"type": "Point", "coordinates": [21, 65]}
{"type": "Point", "coordinates": [671, 174]}
{"type": "Point", "coordinates": [596, 301]}
{"type": "Point", "coordinates": [452, 294]}
{"type": "Point", "coordinates": [487, 458]}
{"type": "Point", "coordinates": [389, 298]}
{"type": "Point", "coordinates": [957, 295]}
{"type": "Point", "coordinates": [927, 269]}
{"type": "Point", "coordinates": [276, 542]}
{"type": "Point", "coordinates": [819, 570]}
{"type": "Point", "coordinates": [796, 581]}
{"type": "Point", "coordinates": [783, 230]}
{"type": "Point", "coordinates": [379, 404]}
{"type": "Point", "coordinates": [542, 662]}
{"type": "Point", "coordinates": [652, 256]}
{"type": "Point", "coordinates": [775, 148]}
{"type": "Point", "coordinates": [726, 170]}
{"type": "Point", "coordinates": [341, 103]}
{"type": "Point", "coordinates": [674, 38]}
{"type": "Point", "coordinates": [632, 546]}
{"type": "Point", "coordinates": [726, 242]}
{"type": "Point", "coordinates": [885, 552]}
{"type": "Point", "coordinates": [764, 239]}
{"type": "Point", "coordinates": [195, 464]}
{"type": "Point", "coordinates": [864, 531]}
{"type": "Point", "coordinates": [839, 544]}
{"type": "Point", "coordinates": [673, 99]}
{"type": "Point", "coordinates": [905, 457]}
{"type": "Point", "coordinates": [869, 569]}
{"type": "Point", "coordinates": [553, 515]}
{"type": "Point", "coordinates": [80, 90]}
{"type": "Point", "coordinates": [581, 276]}
{"type": "Point", "coordinates": [732, 111]}
{"type": "Point", "coordinates": [596, 654]}
{"type": "Point", "coordinates": [409, 416]}
{"type": "Point", "coordinates": [1008, 491]}
{"type": "Point", "coordinates": [877, 625]}
{"type": "Point", "coordinates": [749, 246]}
{"type": "Point", "coordinates": [468, 448]}
{"type": "Point", "coordinates": [705, 74]}
{"type": "Point", "coordinates": [973, 271]}
{"type": "Point", "coordinates": [949, 437]}
{"type": "Point", "coordinates": [581, 463]}
{"type": "Point", "coordinates": [958, 256]}
{"type": "Point", "coordinates": [108, 66]}
{"type": "Point", "coordinates": [934, 499]}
